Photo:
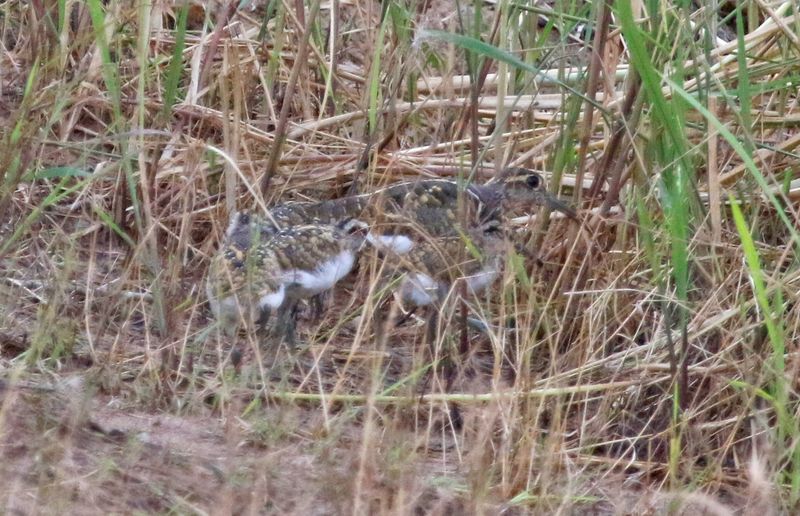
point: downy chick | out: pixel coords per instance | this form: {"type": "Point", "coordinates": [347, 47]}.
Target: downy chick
{"type": "Point", "coordinates": [434, 269]}
{"type": "Point", "coordinates": [431, 268]}
{"type": "Point", "coordinates": [254, 275]}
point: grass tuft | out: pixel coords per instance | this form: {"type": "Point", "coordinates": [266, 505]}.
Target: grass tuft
{"type": "Point", "coordinates": [642, 360]}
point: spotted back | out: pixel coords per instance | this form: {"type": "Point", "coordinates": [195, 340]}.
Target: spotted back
{"type": "Point", "coordinates": [324, 212]}
{"type": "Point", "coordinates": [418, 209]}
{"type": "Point", "coordinates": [449, 258]}
{"type": "Point", "coordinates": [304, 247]}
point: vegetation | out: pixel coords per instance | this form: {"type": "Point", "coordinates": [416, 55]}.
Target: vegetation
{"type": "Point", "coordinates": [643, 360]}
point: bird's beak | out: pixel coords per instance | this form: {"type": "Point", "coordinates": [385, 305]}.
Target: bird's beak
{"type": "Point", "coordinates": [558, 205]}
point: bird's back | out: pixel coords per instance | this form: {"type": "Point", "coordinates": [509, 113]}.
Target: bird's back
{"type": "Point", "coordinates": [428, 207]}
{"type": "Point", "coordinates": [447, 259]}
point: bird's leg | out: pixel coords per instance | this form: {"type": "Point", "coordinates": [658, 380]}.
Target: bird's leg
{"type": "Point", "coordinates": [317, 305]}
{"type": "Point", "coordinates": [294, 313]}
{"type": "Point", "coordinates": [432, 321]}
{"type": "Point", "coordinates": [264, 313]}
{"type": "Point", "coordinates": [462, 319]}
{"type": "Point", "coordinates": [449, 367]}
{"type": "Point", "coordinates": [285, 325]}
{"type": "Point", "coordinates": [261, 325]}
{"type": "Point", "coordinates": [405, 316]}
{"type": "Point", "coordinates": [289, 331]}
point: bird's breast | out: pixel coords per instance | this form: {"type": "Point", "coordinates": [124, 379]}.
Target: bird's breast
{"type": "Point", "coordinates": [324, 275]}
{"type": "Point", "coordinates": [482, 279]}
{"type": "Point", "coordinates": [420, 289]}
{"type": "Point", "coordinates": [274, 298]}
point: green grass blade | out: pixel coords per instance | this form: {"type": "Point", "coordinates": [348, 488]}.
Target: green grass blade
{"type": "Point", "coordinates": [176, 61]}
{"type": "Point", "coordinates": [109, 221]}
{"type": "Point", "coordinates": [479, 47]}
{"type": "Point", "coordinates": [743, 76]}
{"type": "Point", "coordinates": [651, 79]}
{"type": "Point", "coordinates": [57, 172]}
{"type": "Point", "coordinates": [110, 71]}
{"type": "Point", "coordinates": [747, 159]}
{"type": "Point", "coordinates": [374, 78]}
{"type": "Point", "coordinates": [769, 313]}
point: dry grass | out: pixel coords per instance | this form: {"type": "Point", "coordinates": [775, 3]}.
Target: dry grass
{"type": "Point", "coordinates": [644, 362]}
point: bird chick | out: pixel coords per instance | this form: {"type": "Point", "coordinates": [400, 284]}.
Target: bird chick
{"type": "Point", "coordinates": [431, 268]}
{"type": "Point", "coordinates": [254, 274]}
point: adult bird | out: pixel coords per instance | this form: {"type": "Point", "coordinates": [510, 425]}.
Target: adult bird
{"type": "Point", "coordinates": [403, 214]}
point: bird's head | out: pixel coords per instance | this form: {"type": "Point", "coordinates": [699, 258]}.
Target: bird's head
{"type": "Point", "coordinates": [522, 186]}
{"type": "Point", "coordinates": [247, 229]}
{"type": "Point", "coordinates": [356, 231]}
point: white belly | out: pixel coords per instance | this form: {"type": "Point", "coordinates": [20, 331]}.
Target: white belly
{"type": "Point", "coordinates": [420, 289]}
{"type": "Point", "coordinates": [398, 244]}
{"type": "Point", "coordinates": [273, 299]}
{"type": "Point", "coordinates": [324, 276]}
{"type": "Point", "coordinates": [481, 280]}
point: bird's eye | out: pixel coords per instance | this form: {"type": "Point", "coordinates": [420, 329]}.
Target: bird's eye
{"type": "Point", "coordinates": [533, 181]}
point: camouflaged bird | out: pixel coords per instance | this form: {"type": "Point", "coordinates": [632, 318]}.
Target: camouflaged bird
{"type": "Point", "coordinates": [251, 276]}
{"type": "Point", "coordinates": [431, 268]}
{"type": "Point", "coordinates": [402, 214]}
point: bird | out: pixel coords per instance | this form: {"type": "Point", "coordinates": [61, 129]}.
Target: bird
{"type": "Point", "coordinates": [431, 270]}
{"type": "Point", "coordinates": [251, 277]}
{"type": "Point", "coordinates": [403, 214]}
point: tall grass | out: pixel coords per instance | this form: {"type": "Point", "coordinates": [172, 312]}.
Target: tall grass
{"type": "Point", "coordinates": [643, 359]}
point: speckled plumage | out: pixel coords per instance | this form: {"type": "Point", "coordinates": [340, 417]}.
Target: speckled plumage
{"type": "Point", "coordinates": [254, 273]}
{"type": "Point", "coordinates": [432, 267]}
{"type": "Point", "coordinates": [295, 252]}
{"type": "Point", "coordinates": [420, 209]}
